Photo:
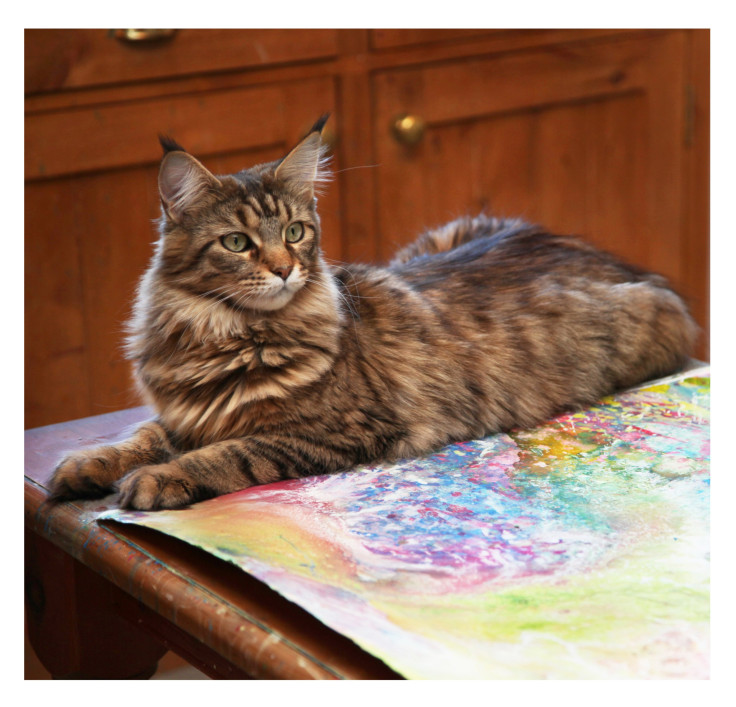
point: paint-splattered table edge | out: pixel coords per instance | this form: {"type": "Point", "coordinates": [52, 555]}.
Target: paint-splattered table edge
{"type": "Point", "coordinates": [241, 623]}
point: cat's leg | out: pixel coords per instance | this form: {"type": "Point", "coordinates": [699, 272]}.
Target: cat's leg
{"type": "Point", "coordinates": [223, 467]}
{"type": "Point", "coordinates": [92, 473]}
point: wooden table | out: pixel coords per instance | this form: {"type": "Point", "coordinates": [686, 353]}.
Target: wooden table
{"type": "Point", "coordinates": [107, 602]}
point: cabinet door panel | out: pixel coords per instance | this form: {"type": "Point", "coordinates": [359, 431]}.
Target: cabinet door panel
{"type": "Point", "coordinates": [55, 347]}
{"type": "Point", "coordinates": [585, 138]}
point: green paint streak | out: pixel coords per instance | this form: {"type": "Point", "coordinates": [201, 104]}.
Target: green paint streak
{"type": "Point", "coordinates": [593, 608]}
{"type": "Point", "coordinates": [697, 382]}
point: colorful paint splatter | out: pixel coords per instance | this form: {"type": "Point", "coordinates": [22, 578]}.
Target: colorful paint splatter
{"type": "Point", "coordinates": [575, 550]}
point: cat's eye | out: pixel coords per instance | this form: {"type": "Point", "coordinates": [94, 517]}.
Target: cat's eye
{"type": "Point", "coordinates": [236, 242]}
{"type": "Point", "coordinates": [294, 232]}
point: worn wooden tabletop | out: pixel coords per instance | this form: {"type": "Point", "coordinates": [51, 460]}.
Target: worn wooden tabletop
{"type": "Point", "coordinates": [107, 601]}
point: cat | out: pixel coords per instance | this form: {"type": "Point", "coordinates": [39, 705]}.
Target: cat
{"type": "Point", "coordinates": [263, 362]}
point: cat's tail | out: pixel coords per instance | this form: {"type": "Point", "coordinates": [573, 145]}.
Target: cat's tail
{"type": "Point", "coordinates": [454, 234]}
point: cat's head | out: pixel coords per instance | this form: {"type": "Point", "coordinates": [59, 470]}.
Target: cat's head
{"type": "Point", "coordinates": [251, 239]}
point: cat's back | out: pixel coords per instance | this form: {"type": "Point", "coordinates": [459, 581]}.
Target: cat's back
{"type": "Point", "coordinates": [488, 255]}
{"type": "Point", "coordinates": [511, 302]}
{"type": "Point", "coordinates": [487, 270]}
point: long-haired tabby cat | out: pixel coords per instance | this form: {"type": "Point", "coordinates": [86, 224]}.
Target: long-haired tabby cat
{"type": "Point", "coordinates": [262, 362]}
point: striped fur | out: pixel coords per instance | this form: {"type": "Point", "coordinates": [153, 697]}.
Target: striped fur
{"type": "Point", "coordinates": [481, 325]}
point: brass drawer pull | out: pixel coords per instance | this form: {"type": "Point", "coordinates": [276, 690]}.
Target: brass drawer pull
{"type": "Point", "coordinates": [408, 129]}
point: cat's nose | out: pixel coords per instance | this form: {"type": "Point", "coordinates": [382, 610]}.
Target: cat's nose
{"type": "Point", "coordinates": [283, 271]}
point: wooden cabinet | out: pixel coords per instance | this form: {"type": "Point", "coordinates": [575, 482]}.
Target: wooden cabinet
{"type": "Point", "coordinates": [596, 132]}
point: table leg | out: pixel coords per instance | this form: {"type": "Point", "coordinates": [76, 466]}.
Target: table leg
{"type": "Point", "coordinates": [73, 622]}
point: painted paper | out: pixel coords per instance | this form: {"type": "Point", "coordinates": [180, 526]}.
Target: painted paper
{"type": "Point", "coordinates": [575, 550]}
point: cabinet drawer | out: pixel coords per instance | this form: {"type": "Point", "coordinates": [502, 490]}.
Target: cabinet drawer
{"type": "Point", "coordinates": [483, 85]}
{"type": "Point", "coordinates": [207, 123]}
{"type": "Point", "coordinates": [80, 58]}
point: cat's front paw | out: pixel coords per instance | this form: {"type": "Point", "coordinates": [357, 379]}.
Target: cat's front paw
{"type": "Point", "coordinates": [87, 474]}
{"type": "Point", "coordinates": [152, 488]}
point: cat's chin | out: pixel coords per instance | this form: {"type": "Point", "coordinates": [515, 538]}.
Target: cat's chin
{"type": "Point", "coordinates": [272, 302]}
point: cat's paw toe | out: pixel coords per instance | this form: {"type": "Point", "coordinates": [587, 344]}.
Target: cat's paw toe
{"type": "Point", "coordinates": [80, 475]}
{"type": "Point", "coordinates": [151, 488]}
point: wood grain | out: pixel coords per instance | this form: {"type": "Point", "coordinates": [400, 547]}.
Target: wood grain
{"type": "Point", "coordinates": [56, 352]}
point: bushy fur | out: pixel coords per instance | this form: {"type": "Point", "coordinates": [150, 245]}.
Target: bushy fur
{"type": "Point", "coordinates": [270, 364]}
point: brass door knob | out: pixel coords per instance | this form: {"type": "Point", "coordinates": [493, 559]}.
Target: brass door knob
{"type": "Point", "coordinates": [408, 129]}
{"type": "Point", "coordinates": [139, 36]}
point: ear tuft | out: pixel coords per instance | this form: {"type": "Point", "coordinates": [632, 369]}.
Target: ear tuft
{"type": "Point", "coordinates": [184, 183]}
{"type": "Point", "coordinates": [307, 165]}
{"type": "Point", "coordinates": [319, 124]}
{"type": "Point", "coordinates": [168, 144]}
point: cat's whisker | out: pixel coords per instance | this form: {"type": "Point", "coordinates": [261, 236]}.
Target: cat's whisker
{"type": "Point", "coordinates": [350, 169]}
{"type": "Point", "coordinates": [241, 300]}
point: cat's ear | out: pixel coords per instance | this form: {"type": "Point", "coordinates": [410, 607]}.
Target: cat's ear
{"type": "Point", "coordinates": [183, 182]}
{"type": "Point", "coordinates": [306, 166]}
